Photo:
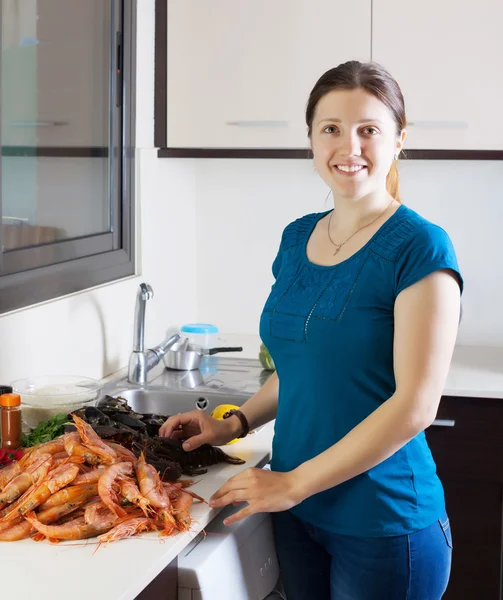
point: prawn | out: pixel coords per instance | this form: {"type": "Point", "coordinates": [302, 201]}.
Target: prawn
{"type": "Point", "coordinates": [51, 515]}
{"type": "Point", "coordinates": [38, 494]}
{"type": "Point", "coordinates": [74, 447]}
{"type": "Point", "coordinates": [100, 515]}
{"type": "Point", "coordinates": [151, 487]}
{"type": "Point", "coordinates": [105, 483]}
{"type": "Point", "coordinates": [123, 453]}
{"type": "Point", "coordinates": [77, 529]}
{"type": "Point", "coordinates": [18, 486]}
{"type": "Point", "coordinates": [72, 493]}
{"type": "Point", "coordinates": [93, 441]}
{"type": "Point", "coordinates": [16, 532]}
{"type": "Point", "coordinates": [89, 477]}
{"type": "Point", "coordinates": [174, 489]}
{"type": "Point", "coordinates": [52, 447]}
{"type": "Point", "coordinates": [182, 501]}
{"type": "Point", "coordinates": [127, 529]}
{"type": "Point", "coordinates": [131, 493]}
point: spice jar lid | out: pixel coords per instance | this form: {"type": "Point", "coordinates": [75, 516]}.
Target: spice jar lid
{"type": "Point", "coordinates": [10, 400]}
{"type": "Point", "coordinates": [5, 389]}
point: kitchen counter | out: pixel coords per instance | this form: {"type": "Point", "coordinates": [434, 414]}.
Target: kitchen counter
{"type": "Point", "coordinates": [121, 570]}
{"type": "Point", "coordinates": [476, 372]}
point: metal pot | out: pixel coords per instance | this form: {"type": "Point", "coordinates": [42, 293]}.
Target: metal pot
{"type": "Point", "coordinates": [187, 357]}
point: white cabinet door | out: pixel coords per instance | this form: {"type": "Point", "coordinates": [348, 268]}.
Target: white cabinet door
{"type": "Point", "coordinates": [447, 57]}
{"type": "Point", "coordinates": [240, 71]}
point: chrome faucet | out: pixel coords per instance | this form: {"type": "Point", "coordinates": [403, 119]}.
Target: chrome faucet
{"type": "Point", "coordinates": [141, 361]}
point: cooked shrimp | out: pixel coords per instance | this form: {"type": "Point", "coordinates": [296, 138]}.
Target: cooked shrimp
{"type": "Point", "coordinates": [74, 447]}
{"type": "Point", "coordinates": [77, 529]}
{"type": "Point", "coordinates": [72, 493]}
{"type": "Point", "coordinates": [8, 524]}
{"type": "Point", "coordinates": [150, 484]}
{"type": "Point", "coordinates": [89, 477]}
{"type": "Point", "coordinates": [151, 487]}
{"type": "Point", "coordinates": [173, 490]}
{"type": "Point", "coordinates": [127, 529]}
{"type": "Point", "coordinates": [132, 494]}
{"type": "Point", "coordinates": [181, 506]}
{"type": "Point", "coordinates": [52, 447]}
{"type": "Point", "coordinates": [100, 515]}
{"type": "Point", "coordinates": [105, 483]}
{"type": "Point", "coordinates": [38, 494]}
{"type": "Point", "coordinates": [93, 441]}
{"type": "Point", "coordinates": [123, 453]}
{"type": "Point", "coordinates": [8, 473]}
{"type": "Point", "coordinates": [51, 515]}
{"type": "Point", "coordinates": [17, 532]}
{"type": "Point", "coordinates": [18, 486]}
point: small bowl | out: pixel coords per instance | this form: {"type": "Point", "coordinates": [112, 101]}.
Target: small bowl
{"type": "Point", "coordinates": [45, 396]}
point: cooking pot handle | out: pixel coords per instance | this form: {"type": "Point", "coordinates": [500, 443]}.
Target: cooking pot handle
{"type": "Point", "coordinates": [212, 351]}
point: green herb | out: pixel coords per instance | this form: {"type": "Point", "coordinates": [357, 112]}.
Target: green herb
{"type": "Point", "coordinates": [45, 431]}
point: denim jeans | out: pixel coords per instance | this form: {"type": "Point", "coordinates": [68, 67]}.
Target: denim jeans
{"type": "Point", "coordinates": [319, 565]}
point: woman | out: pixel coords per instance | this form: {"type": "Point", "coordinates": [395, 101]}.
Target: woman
{"type": "Point", "coordinates": [361, 323]}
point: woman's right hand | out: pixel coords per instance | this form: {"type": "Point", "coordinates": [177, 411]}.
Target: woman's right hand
{"type": "Point", "coordinates": [197, 428]}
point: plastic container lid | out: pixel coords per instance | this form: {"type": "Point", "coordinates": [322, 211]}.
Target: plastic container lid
{"type": "Point", "coordinates": [5, 389]}
{"type": "Point", "coordinates": [10, 400]}
{"type": "Point", "coordinates": [199, 328]}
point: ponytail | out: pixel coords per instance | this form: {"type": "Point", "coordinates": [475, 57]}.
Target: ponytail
{"type": "Point", "coordinates": [392, 182]}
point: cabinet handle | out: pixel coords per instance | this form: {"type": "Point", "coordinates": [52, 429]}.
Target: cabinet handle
{"type": "Point", "coordinates": [444, 422]}
{"type": "Point", "coordinates": [37, 123]}
{"type": "Point", "coordinates": [258, 123]}
{"type": "Point", "coordinates": [437, 124]}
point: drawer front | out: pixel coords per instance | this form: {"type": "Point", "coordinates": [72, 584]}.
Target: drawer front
{"type": "Point", "coordinates": [466, 439]}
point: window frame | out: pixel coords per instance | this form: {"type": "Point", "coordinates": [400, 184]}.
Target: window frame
{"type": "Point", "coordinates": [30, 275]}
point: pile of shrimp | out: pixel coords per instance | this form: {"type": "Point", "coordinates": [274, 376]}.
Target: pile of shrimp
{"type": "Point", "coordinates": [80, 486]}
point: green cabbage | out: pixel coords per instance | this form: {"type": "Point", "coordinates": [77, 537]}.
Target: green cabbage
{"type": "Point", "coordinates": [265, 358]}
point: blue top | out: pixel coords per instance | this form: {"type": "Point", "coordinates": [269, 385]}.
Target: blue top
{"type": "Point", "coordinates": [330, 333]}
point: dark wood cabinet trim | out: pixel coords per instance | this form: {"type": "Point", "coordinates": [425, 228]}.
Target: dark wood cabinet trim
{"type": "Point", "coordinates": [306, 154]}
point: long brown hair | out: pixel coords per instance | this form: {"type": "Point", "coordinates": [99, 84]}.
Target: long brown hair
{"type": "Point", "coordinates": [374, 79]}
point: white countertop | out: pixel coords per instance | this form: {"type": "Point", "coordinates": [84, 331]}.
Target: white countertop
{"type": "Point", "coordinates": [476, 372]}
{"type": "Point", "coordinates": [121, 570]}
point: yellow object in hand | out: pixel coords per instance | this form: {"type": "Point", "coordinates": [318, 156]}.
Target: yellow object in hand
{"type": "Point", "coordinates": [219, 412]}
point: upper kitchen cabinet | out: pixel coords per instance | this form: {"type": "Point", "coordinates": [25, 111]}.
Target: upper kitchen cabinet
{"type": "Point", "coordinates": [239, 73]}
{"type": "Point", "coordinates": [448, 59]}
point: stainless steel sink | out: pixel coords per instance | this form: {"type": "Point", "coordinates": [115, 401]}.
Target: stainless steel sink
{"type": "Point", "coordinates": [172, 402]}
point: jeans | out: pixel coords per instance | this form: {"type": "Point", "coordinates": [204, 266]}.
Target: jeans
{"type": "Point", "coordinates": [320, 565]}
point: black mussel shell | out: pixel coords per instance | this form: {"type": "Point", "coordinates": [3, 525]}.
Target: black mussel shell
{"type": "Point", "coordinates": [94, 416]}
{"type": "Point", "coordinates": [129, 421]}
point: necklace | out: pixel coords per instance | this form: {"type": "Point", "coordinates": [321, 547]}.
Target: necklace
{"type": "Point", "coordinates": [339, 246]}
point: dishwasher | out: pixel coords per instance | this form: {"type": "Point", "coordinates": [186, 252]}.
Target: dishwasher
{"type": "Point", "coordinates": [236, 562]}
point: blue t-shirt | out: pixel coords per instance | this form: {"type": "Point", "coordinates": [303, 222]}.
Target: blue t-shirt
{"type": "Point", "coordinates": [330, 333]}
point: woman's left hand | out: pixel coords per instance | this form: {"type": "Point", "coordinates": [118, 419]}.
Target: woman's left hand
{"type": "Point", "coordinates": [263, 490]}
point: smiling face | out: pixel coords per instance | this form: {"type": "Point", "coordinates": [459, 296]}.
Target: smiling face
{"type": "Point", "coordinates": [354, 139]}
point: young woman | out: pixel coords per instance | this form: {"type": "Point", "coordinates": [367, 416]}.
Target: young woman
{"type": "Point", "coordinates": [361, 323]}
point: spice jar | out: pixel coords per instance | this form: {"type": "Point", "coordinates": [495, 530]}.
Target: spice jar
{"type": "Point", "coordinates": [10, 414]}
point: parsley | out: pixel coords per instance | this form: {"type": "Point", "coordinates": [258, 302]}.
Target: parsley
{"type": "Point", "coordinates": [45, 431]}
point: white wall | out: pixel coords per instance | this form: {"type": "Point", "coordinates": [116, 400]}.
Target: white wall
{"type": "Point", "coordinates": [243, 205]}
{"type": "Point", "coordinates": [235, 210]}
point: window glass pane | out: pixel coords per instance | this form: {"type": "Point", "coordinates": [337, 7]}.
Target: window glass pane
{"type": "Point", "coordinates": [55, 120]}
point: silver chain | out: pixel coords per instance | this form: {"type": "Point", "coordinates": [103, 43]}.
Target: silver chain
{"type": "Point", "coordinates": [339, 246]}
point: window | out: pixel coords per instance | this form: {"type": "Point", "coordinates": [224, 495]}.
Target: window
{"type": "Point", "coordinates": [67, 138]}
